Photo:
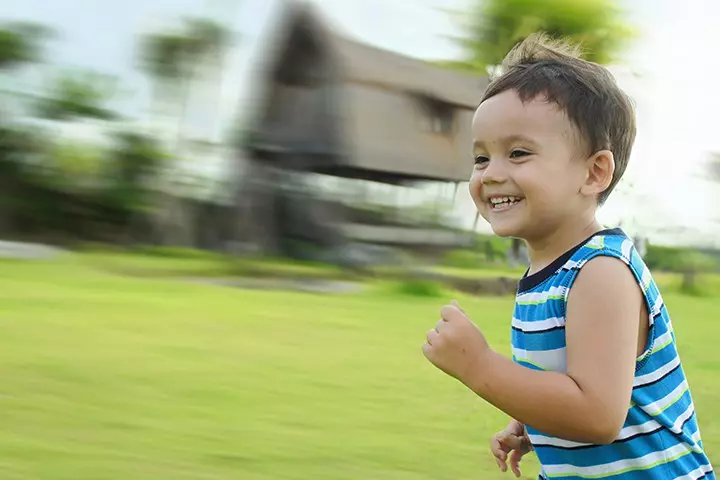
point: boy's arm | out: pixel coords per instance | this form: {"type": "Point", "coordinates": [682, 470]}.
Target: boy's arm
{"type": "Point", "coordinates": [590, 402]}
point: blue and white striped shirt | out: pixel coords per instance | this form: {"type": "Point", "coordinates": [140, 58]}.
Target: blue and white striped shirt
{"type": "Point", "coordinates": [660, 438]}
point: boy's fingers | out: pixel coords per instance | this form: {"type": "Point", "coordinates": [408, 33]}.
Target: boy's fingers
{"type": "Point", "coordinates": [502, 464]}
{"type": "Point", "coordinates": [515, 457]}
{"type": "Point", "coordinates": [451, 314]}
{"type": "Point", "coordinates": [513, 442]}
{"type": "Point", "coordinates": [497, 448]}
{"type": "Point", "coordinates": [499, 451]}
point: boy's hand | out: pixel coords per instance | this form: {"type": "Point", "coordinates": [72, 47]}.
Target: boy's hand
{"type": "Point", "coordinates": [456, 346]}
{"type": "Point", "coordinates": [514, 441]}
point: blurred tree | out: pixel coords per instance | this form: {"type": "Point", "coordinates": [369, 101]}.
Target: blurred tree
{"type": "Point", "coordinates": [73, 166]}
{"type": "Point", "coordinates": [132, 168]}
{"type": "Point", "coordinates": [493, 27]}
{"type": "Point", "coordinates": [174, 61]}
{"type": "Point", "coordinates": [693, 264]}
{"type": "Point", "coordinates": [206, 43]}
{"type": "Point", "coordinates": [80, 94]}
{"type": "Point", "coordinates": [163, 59]}
{"type": "Point", "coordinates": [131, 173]}
{"type": "Point", "coordinates": [18, 149]}
{"type": "Point", "coordinates": [21, 43]}
{"type": "Point", "coordinates": [12, 146]}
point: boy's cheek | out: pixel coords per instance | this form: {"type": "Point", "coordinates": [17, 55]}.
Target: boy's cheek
{"type": "Point", "coordinates": [475, 187]}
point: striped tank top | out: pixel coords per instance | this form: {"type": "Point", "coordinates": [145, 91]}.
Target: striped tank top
{"type": "Point", "coordinates": [660, 438]}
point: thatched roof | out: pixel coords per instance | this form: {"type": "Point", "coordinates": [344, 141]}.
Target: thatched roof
{"type": "Point", "coordinates": [367, 64]}
{"type": "Point", "coordinates": [380, 108]}
{"type": "Point", "coordinates": [373, 65]}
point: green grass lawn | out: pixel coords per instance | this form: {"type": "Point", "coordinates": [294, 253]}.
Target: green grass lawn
{"type": "Point", "coordinates": [106, 377]}
{"type": "Point", "coordinates": [192, 263]}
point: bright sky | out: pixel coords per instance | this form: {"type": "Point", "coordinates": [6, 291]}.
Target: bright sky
{"type": "Point", "coordinates": [671, 73]}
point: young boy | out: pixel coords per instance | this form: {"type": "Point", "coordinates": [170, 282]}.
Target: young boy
{"type": "Point", "coordinates": [595, 386]}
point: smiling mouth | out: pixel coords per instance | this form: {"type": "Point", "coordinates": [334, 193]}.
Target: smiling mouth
{"type": "Point", "coordinates": [503, 203]}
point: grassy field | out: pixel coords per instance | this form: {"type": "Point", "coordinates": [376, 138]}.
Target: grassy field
{"type": "Point", "coordinates": [109, 377]}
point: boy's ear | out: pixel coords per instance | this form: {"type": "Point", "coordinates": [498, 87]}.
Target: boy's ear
{"type": "Point", "coordinates": [600, 170]}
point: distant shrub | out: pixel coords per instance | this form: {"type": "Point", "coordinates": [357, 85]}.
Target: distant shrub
{"type": "Point", "coordinates": [493, 249]}
{"type": "Point", "coordinates": [463, 259]}
{"type": "Point", "coordinates": [419, 288]}
{"type": "Point", "coordinates": [668, 259]}
{"type": "Point", "coordinates": [692, 265]}
{"type": "Point", "coordinates": [175, 252]}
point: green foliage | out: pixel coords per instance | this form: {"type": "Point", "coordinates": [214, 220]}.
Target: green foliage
{"type": "Point", "coordinates": [419, 288]}
{"type": "Point", "coordinates": [697, 262]}
{"type": "Point", "coordinates": [15, 145]}
{"type": "Point", "coordinates": [20, 43]}
{"type": "Point", "coordinates": [162, 55]}
{"type": "Point", "coordinates": [468, 259]}
{"type": "Point", "coordinates": [79, 94]}
{"type": "Point", "coordinates": [493, 27]}
{"type": "Point", "coordinates": [180, 253]}
{"type": "Point", "coordinates": [173, 56]}
{"type": "Point", "coordinates": [134, 164]}
{"type": "Point", "coordinates": [486, 250]}
{"type": "Point", "coordinates": [205, 38]}
{"type": "Point", "coordinates": [678, 259]}
{"type": "Point", "coordinates": [691, 264]}
{"type": "Point", "coordinates": [68, 166]}
{"type": "Point", "coordinates": [663, 258]}
{"type": "Point", "coordinates": [493, 248]}
{"type": "Point", "coordinates": [70, 188]}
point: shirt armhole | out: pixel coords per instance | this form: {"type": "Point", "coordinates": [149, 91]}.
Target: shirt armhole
{"type": "Point", "coordinates": [642, 279]}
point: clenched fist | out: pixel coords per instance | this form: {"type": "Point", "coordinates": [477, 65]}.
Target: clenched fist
{"type": "Point", "coordinates": [456, 345]}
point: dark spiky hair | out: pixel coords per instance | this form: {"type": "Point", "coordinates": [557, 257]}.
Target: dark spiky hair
{"type": "Point", "coordinates": [586, 92]}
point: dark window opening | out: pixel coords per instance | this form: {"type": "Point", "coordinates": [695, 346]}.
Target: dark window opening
{"type": "Point", "coordinates": [437, 117]}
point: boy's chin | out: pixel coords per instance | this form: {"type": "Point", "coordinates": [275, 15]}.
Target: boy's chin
{"type": "Point", "coordinates": [506, 231]}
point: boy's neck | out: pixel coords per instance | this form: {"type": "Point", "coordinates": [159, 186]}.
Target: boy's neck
{"type": "Point", "coordinates": [543, 252]}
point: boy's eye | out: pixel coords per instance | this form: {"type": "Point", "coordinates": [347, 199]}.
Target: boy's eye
{"type": "Point", "coordinates": [519, 153]}
{"type": "Point", "coordinates": [480, 160]}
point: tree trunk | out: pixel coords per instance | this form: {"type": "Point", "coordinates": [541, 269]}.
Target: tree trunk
{"type": "Point", "coordinates": [689, 281]}
{"type": "Point", "coordinates": [173, 228]}
{"type": "Point", "coordinates": [515, 252]}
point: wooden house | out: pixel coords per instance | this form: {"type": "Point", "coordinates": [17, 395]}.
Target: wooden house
{"type": "Point", "coordinates": [334, 106]}
{"type": "Point", "coordinates": [338, 107]}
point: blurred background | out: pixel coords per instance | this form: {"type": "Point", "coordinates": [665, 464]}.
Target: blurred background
{"type": "Point", "coordinates": [226, 225]}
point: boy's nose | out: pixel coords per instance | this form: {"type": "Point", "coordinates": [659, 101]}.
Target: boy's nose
{"type": "Point", "coordinates": [494, 173]}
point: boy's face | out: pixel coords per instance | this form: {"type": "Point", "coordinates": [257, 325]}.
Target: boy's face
{"type": "Point", "coordinates": [527, 174]}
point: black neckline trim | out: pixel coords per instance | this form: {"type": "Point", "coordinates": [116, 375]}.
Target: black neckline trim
{"type": "Point", "coordinates": [528, 282]}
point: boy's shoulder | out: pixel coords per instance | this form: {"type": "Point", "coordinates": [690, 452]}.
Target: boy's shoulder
{"type": "Point", "coordinates": [609, 242]}
{"type": "Point", "coordinates": [605, 257]}
{"type": "Point", "coordinates": [605, 261]}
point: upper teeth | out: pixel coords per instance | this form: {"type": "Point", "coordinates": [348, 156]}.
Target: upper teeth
{"type": "Point", "coordinates": [496, 200]}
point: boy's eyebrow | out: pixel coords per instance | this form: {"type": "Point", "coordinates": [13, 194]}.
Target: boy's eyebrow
{"type": "Point", "coordinates": [507, 139]}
